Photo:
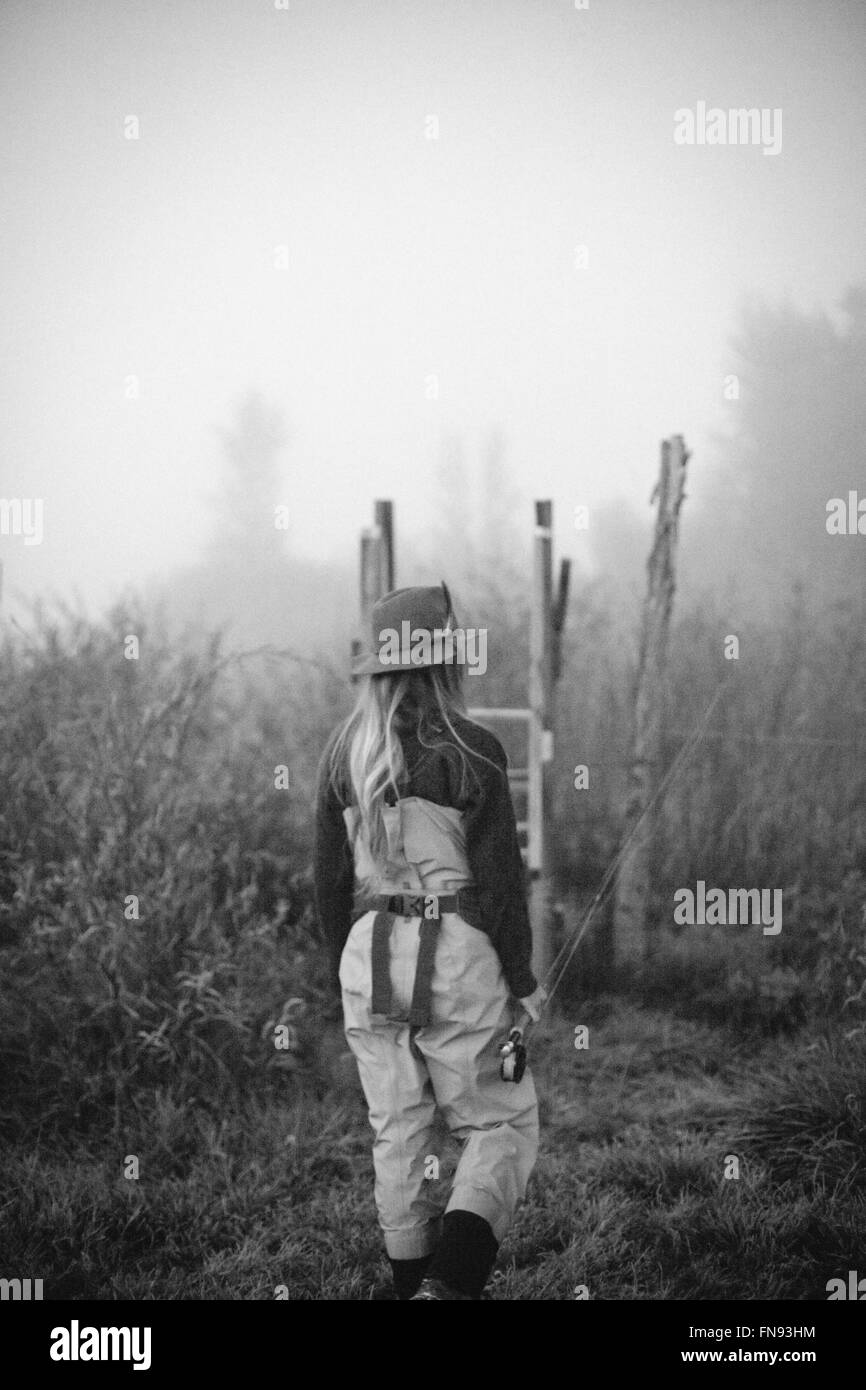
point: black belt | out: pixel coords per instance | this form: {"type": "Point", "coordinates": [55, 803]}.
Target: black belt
{"type": "Point", "coordinates": [466, 902]}
{"type": "Point", "coordinates": [429, 907]}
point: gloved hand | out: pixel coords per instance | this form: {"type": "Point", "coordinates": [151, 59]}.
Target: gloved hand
{"type": "Point", "coordinates": [534, 1002]}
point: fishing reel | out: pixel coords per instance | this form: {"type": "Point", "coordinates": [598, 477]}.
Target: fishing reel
{"type": "Point", "coordinates": [512, 1055]}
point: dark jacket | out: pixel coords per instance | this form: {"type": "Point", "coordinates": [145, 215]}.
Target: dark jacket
{"type": "Point", "coordinates": [491, 845]}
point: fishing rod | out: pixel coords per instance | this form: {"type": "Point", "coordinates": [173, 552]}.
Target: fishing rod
{"type": "Point", "coordinates": [513, 1051]}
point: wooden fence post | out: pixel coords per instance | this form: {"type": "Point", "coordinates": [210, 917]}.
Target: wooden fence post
{"type": "Point", "coordinates": [384, 516]}
{"type": "Point", "coordinates": [540, 736]}
{"type": "Point", "coordinates": [633, 878]}
{"type": "Point", "coordinates": [558, 619]}
{"type": "Point", "coordinates": [377, 567]}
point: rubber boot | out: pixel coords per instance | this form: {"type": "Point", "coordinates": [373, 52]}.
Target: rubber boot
{"type": "Point", "coordinates": [408, 1275]}
{"type": "Point", "coordinates": [462, 1261]}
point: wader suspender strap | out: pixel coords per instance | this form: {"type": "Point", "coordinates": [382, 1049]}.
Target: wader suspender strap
{"type": "Point", "coordinates": [380, 960]}
{"type": "Point", "coordinates": [419, 1013]}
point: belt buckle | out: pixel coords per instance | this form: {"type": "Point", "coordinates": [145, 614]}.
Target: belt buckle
{"type": "Point", "coordinates": [424, 905]}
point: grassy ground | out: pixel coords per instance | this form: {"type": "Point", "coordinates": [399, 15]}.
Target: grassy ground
{"type": "Point", "coordinates": [156, 923]}
{"type": "Point", "coordinates": [629, 1198]}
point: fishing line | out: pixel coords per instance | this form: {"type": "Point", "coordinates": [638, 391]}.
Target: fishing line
{"type": "Point", "coordinates": [513, 1054]}
{"type": "Point", "coordinates": [557, 970]}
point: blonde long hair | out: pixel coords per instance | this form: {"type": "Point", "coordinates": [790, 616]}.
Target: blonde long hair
{"type": "Point", "coordinates": [367, 760]}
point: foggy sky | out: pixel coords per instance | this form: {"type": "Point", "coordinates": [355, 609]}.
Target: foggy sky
{"type": "Point", "coordinates": [407, 257]}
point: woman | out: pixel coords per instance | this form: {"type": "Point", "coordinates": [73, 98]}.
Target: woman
{"type": "Point", "coordinates": [420, 894]}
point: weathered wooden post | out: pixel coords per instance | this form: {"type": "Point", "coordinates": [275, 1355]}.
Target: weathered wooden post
{"type": "Point", "coordinates": [633, 878]}
{"type": "Point", "coordinates": [558, 618]}
{"type": "Point", "coordinates": [377, 567]}
{"type": "Point", "coordinates": [540, 736]}
{"type": "Point", "coordinates": [384, 515]}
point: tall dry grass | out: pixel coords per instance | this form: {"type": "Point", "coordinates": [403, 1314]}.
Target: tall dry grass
{"type": "Point", "coordinates": [155, 778]}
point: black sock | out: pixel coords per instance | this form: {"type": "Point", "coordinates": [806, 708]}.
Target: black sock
{"type": "Point", "coordinates": [408, 1275]}
{"type": "Point", "coordinates": [465, 1254]}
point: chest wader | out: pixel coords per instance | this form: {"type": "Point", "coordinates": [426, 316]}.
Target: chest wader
{"type": "Point", "coordinates": [425, 1005]}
